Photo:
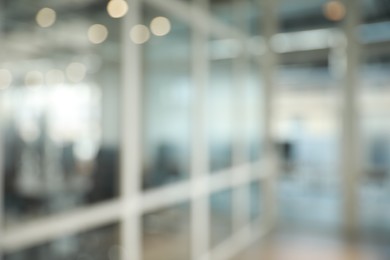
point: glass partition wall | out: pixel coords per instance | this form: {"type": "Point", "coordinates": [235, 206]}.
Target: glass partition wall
{"type": "Point", "coordinates": [131, 130]}
{"type": "Point", "coordinates": [59, 113]}
{"type": "Point", "coordinates": [331, 123]}
{"type": "Point", "coordinates": [374, 115]}
{"type": "Point", "coordinates": [307, 121]}
{"type": "Point", "coordinates": [150, 129]}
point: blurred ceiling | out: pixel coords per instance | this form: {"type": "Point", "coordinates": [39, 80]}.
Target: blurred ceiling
{"type": "Point", "coordinates": [75, 16]}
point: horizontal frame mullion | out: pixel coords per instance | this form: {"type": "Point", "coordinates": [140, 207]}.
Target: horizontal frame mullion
{"type": "Point", "coordinates": [48, 228]}
{"type": "Point", "coordinates": [42, 230]}
{"type": "Point", "coordinates": [238, 241]}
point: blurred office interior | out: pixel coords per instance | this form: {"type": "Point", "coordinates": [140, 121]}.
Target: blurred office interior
{"type": "Point", "coordinates": [194, 129]}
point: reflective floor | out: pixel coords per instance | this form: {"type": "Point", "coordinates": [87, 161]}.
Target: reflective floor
{"type": "Point", "coordinates": [295, 245]}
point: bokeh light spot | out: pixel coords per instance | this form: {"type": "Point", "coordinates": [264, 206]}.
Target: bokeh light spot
{"type": "Point", "coordinates": [54, 77]}
{"type": "Point", "coordinates": [139, 34]}
{"type": "Point", "coordinates": [117, 8]}
{"type": "Point", "coordinates": [33, 78]}
{"type": "Point", "coordinates": [97, 33]}
{"type": "Point", "coordinates": [334, 10]}
{"type": "Point", "coordinates": [160, 26]}
{"type": "Point", "coordinates": [46, 17]}
{"type": "Point", "coordinates": [76, 72]}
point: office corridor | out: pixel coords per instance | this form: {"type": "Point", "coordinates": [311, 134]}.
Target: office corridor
{"type": "Point", "coordinates": [188, 129]}
{"type": "Point", "coordinates": [298, 246]}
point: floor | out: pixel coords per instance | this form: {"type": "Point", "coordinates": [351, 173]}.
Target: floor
{"type": "Point", "coordinates": [305, 246]}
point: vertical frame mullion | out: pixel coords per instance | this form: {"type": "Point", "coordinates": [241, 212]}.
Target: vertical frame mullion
{"type": "Point", "coordinates": [130, 173]}
{"type": "Point", "coordinates": [2, 181]}
{"type": "Point", "coordinates": [350, 131]}
{"type": "Point", "coordinates": [200, 231]}
{"type": "Point", "coordinates": [268, 61]}
{"type": "Point", "coordinates": [240, 195]}
{"type": "Point", "coordinates": [2, 170]}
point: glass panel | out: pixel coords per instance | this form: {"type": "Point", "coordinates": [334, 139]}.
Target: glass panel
{"type": "Point", "coordinates": [255, 200]}
{"type": "Point", "coordinates": [308, 135]}
{"type": "Point", "coordinates": [253, 113]}
{"type": "Point", "coordinates": [167, 101]}
{"type": "Point", "coordinates": [307, 101]}
{"type": "Point", "coordinates": [314, 75]}
{"type": "Point", "coordinates": [59, 109]}
{"type": "Point", "coordinates": [251, 16]}
{"type": "Point", "coordinates": [310, 178]}
{"type": "Point", "coordinates": [247, 15]}
{"type": "Point", "coordinates": [297, 15]}
{"type": "Point", "coordinates": [221, 217]}
{"type": "Point", "coordinates": [376, 179]}
{"type": "Point", "coordinates": [166, 233]}
{"type": "Point", "coordinates": [242, 14]}
{"type": "Point", "coordinates": [375, 126]}
{"type": "Point", "coordinates": [374, 11]}
{"type": "Point", "coordinates": [99, 244]}
{"type": "Point", "coordinates": [223, 10]}
{"type": "Point", "coordinates": [220, 112]}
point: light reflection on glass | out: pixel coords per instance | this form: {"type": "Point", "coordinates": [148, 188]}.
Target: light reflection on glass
{"type": "Point", "coordinates": [46, 17]}
{"type": "Point", "coordinates": [139, 34]}
{"type": "Point", "coordinates": [54, 77]}
{"type": "Point", "coordinates": [117, 8]}
{"type": "Point", "coordinates": [97, 33]}
{"type": "Point", "coordinates": [334, 10]}
{"type": "Point", "coordinates": [34, 78]}
{"type": "Point", "coordinates": [160, 26]}
{"type": "Point", "coordinates": [76, 72]}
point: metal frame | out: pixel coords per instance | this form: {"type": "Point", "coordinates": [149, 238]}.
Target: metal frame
{"type": "Point", "coordinates": [1, 187]}
{"type": "Point", "coordinates": [199, 160]}
{"type": "Point", "coordinates": [269, 66]}
{"type": "Point", "coordinates": [350, 131]}
{"type": "Point", "coordinates": [130, 172]}
{"type": "Point", "coordinates": [48, 228]}
{"type": "Point", "coordinates": [128, 208]}
{"type": "Point", "coordinates": [1, 150]}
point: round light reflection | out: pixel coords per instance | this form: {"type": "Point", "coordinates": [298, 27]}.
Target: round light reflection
{"type": "Point", "coordinates": [117, 8]}
{"type": "Point", "coordinates": [139, 34]}
{"type": "Point", "coordinates": [5, 78]}
{"type": "Point", "coordinates": [33, 78]}
{"type": "Point", "coordinates": [45, 17]}
{"type": "Point", "coordinates": [334, 10]}
{"type": "Point", "coordinates": [97, 33]}
{"type": "Point", "coordinates": [160, 26]}
{"type": "Point", "coordinates": [76, 72]}
{"type": "Point", "coordinates": [54, 77]}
